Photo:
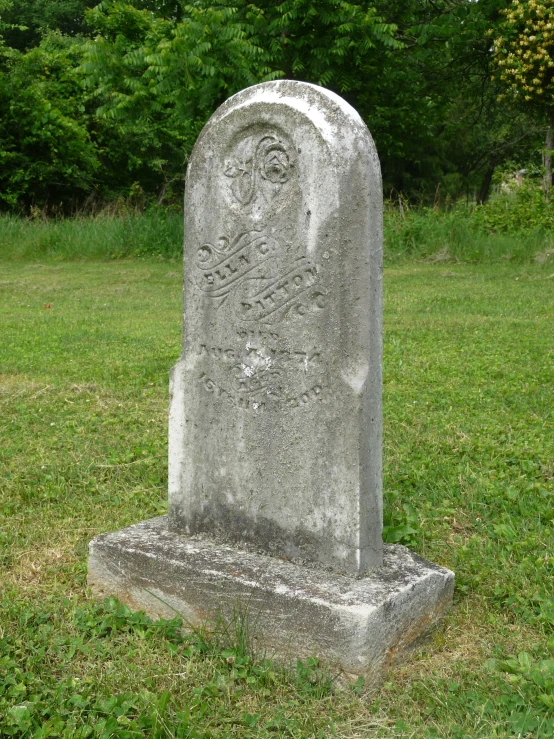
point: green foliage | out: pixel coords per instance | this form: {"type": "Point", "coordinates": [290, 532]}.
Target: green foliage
{"type": "Point", "coordinates": [35, 703]}
{"type": "Point", "coordinates": [530, 700]}
{"type": "Point", "coordinates": [457, 450]}
{"type": "Point", "coordinates": [130, 86]}
{"type": "Point", "coordinates": [97, 621]}
{"type": "Point", "coordinates": [509, 227]}
{"type": "Point", "coordinates": [514, 227]}
{"type": "Point", "coordinates": [243, 44]}
{"type": "Point", "coordinates": [46, 153]}
{"type": "Point", "coordinates": [522, 210]}
{"type": "Point", "coordinates": [468, 402]}
{"type": "Point", "coordinates": [156, 81]}
{"type": "Point", "coordinates": [56, 153]}
{"type": "Point", "coordinates": [400, 520]}
{"type": "Point", "coordinates": [523, 50]}
{"type": "Point", "coordinates": [431, 106]}
{"type": "Point", "coordinates": [30, 19]}
{"type": "Point", "coordinates": [160, 78]}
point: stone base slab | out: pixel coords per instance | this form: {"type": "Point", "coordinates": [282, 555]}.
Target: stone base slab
{"type": "Point", "coordinates": [359, 625]}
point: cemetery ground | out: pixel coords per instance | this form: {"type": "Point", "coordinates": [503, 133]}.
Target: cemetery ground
{"type": "Point", "coordinates": [86, 348]}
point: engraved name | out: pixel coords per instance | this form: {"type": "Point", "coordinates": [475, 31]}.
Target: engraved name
{"type": "Point", "coordinates": [280, 293]}
{"type": "Point", "coordinates": [231, 269]}
{"type": "Point", "coordinates": [224, 266]}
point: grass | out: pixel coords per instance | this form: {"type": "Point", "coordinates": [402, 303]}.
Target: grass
{"type": "Point", "coordinates": [109, 235]}
{"type": "Point", "coordinates": [463, 235]}
{"type": "Point", "coordinates": [458, 235]}
{"type": "Point", "coordinates": [469, 478]}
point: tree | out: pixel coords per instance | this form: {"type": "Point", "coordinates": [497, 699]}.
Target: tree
{"type": "Point", "coordinates": [164, 76]}
{"type": "Point", "coordinates": [433, 109]}
{"type": "Point", "coordinates": [46, 153]}
{"type": "Point", "coordinates": [523, 52]}
{"type": "Point", "coordinates": [133, 82]}
{"type": "Point", "coordinates": [215, 50]}
{"type": "Point", "coordinates": [30, 19]}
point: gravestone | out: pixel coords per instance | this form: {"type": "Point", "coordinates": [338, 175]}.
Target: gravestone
{"type": "Point", "coordinates": [275, 412]}
{"type": "Point", "coordinates": [275, 418]}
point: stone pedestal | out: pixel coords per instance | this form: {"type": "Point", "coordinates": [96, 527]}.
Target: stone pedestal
{"type": "Point", "coordinates": [361, 626]}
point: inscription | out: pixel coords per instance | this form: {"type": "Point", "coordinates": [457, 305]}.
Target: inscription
{"type": "Point", "coordinates": [304, 398]}
{"type": "Point", "coordinates": [247, 401]}
{"type": "Point", "coordinates": [261, 371]}
{"type": "Point", "coordinates": [302, 359]}
{"type": "Point", "coordinates": [280, 292]}
{"type": "Point", "coordinates": [224, 266]}
{"type": "Point", "coordinates": [261, 274]}
{"type": "Point", "coordinates": [230, 269]}
{"type": "Point", "coordinates": [255, 333]}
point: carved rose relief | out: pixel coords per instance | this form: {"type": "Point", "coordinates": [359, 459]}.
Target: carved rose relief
{"type": "Point", "coordinates": [260, 166]}
{"type": "Point", "coordinates": [275, 165]}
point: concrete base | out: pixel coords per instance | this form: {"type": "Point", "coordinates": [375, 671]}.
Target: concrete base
{"type": "Point", "coordinates": [361, 626]}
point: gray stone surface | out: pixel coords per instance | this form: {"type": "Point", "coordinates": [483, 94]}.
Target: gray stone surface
{"type": "Point", "coordinates": [360, 625]}
{"type": "Point", "coordinates": [275, 413]}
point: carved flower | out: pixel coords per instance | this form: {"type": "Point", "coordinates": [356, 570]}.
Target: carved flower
{"type": "Point", "coordinates": [204, 254]}
{"type": "Point", "coordinates": [265, 158]}
{"type": "Point", "coordinates": [242, 186]}
{"type": "Point", "coordinates": [275, 165]}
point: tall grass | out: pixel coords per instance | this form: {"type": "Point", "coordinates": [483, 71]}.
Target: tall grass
{"type": "Point", "coordinates": [460, 234]}
{"type": "Point", "coordinates": [154, 232]}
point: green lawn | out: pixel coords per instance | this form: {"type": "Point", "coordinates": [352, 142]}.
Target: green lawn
{"type": "Point", "coordinates": [469, 477]}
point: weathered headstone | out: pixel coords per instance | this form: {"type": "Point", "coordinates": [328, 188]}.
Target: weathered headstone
{"type": "Point", "coordinates": [275, 412]}
{"type": "Point", "coordinates": [275, 419]}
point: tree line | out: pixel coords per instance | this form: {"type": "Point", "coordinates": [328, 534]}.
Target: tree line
{"type": "Point", "coordinates": [99, 102]}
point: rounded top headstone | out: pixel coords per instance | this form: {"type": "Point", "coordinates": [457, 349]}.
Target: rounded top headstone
{"type": "Point", "coordinates": [275, 425]}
